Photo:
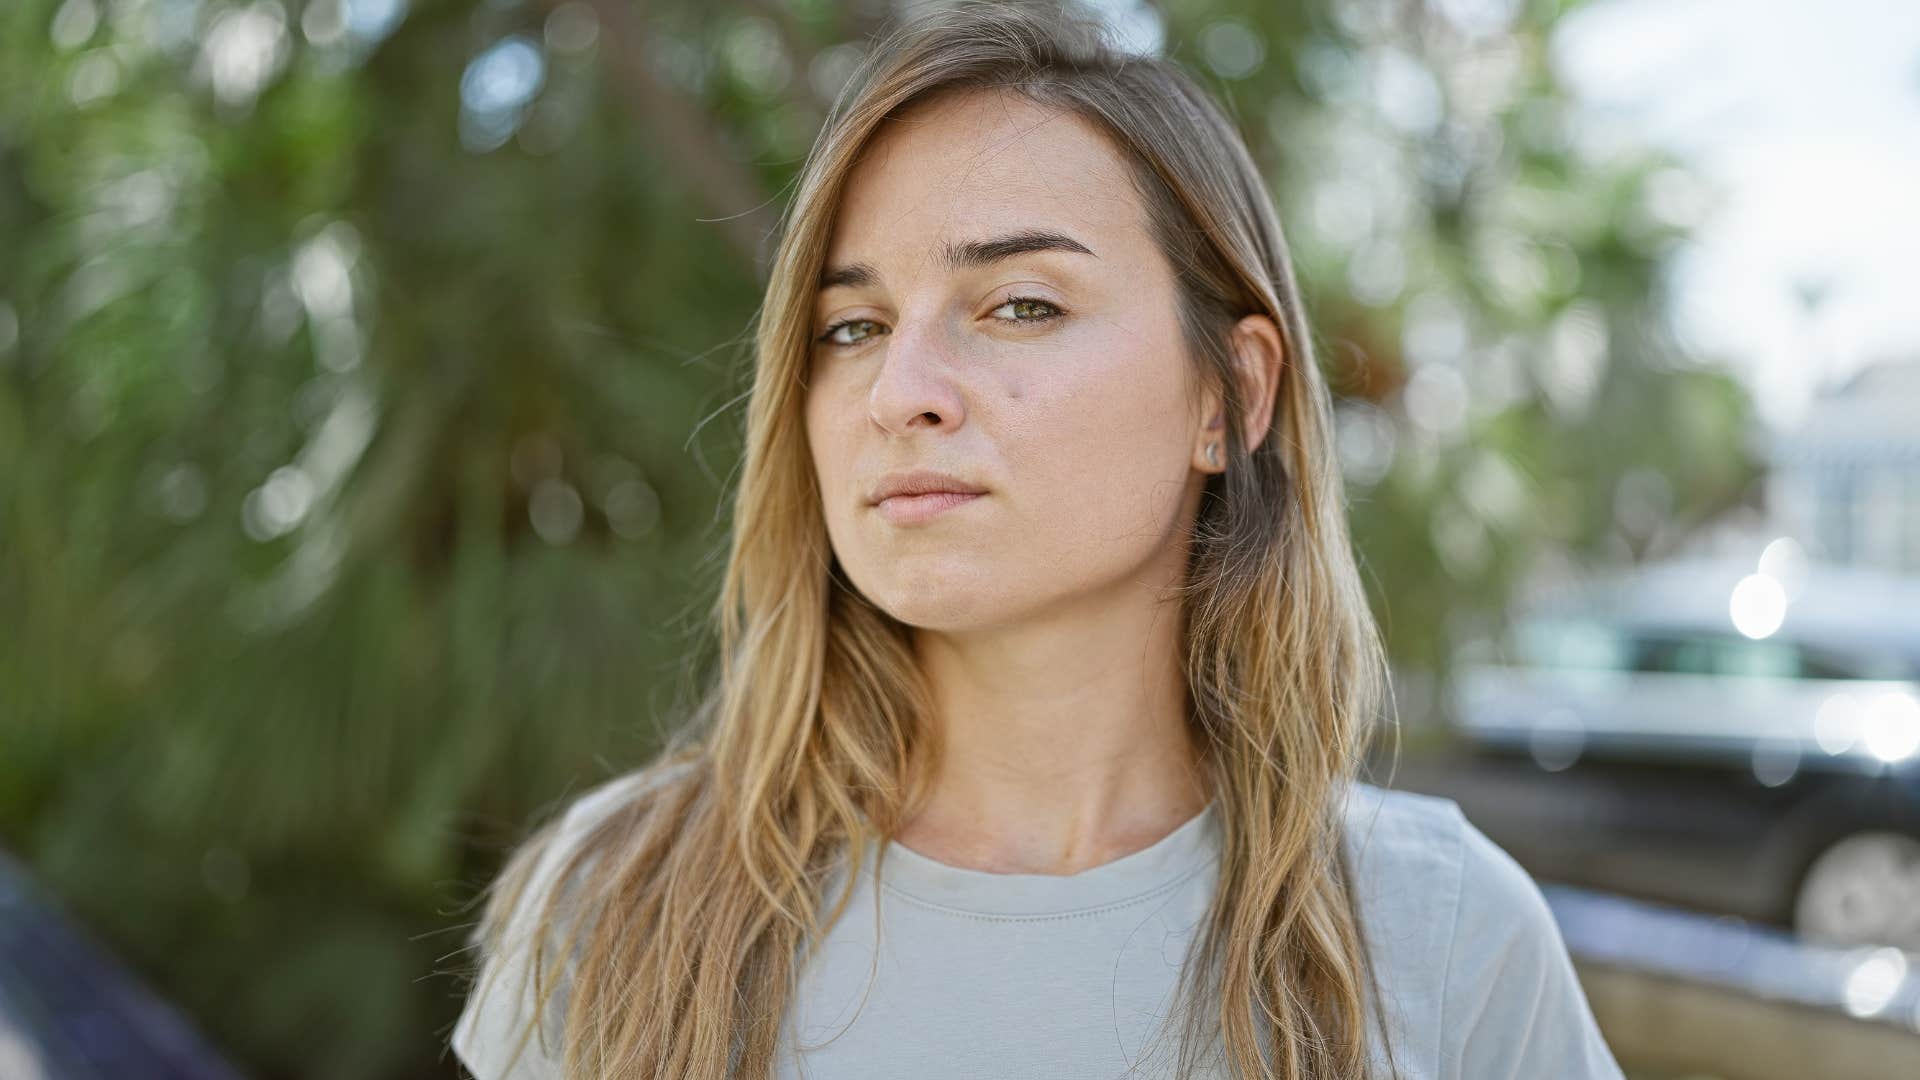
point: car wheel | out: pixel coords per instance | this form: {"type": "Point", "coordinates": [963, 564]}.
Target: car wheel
{"type": "Point", "coordinates": [1863, 890]}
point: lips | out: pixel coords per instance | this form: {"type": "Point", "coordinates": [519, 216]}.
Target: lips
{"type": "Point", "coordinates": [921, 482]}
{"type": "Point", "coordinates": [913, 509]}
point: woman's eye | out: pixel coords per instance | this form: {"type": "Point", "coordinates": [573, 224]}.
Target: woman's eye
{"type": "Point", "coordinates": [1042, 309]}
{"type": "Point", "coordinates": [1025, 309]}
{"type": "Point", "coordinates": [831, 337]}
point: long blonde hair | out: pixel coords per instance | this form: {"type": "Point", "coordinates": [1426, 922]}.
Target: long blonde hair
{"type": "Point", "coordinates": [687, 908]}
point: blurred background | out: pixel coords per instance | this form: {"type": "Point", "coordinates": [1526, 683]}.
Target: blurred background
{"type": "Point", "coordinates": [369, 385]}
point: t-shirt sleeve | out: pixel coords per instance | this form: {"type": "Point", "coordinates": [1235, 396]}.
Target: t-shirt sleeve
{"type": "Point", "coordinates": [493, 1024]}
{"type": "Point", "coordinates": [491, 1038]}
{"type": "Point", "coordinates": [1514, 1008]}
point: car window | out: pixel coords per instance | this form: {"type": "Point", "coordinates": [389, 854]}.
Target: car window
{"type": "Point", "coordinates": [1581, 644]}
{"type": "Point", "coordinates": [1736, 656]}
{"type": "Point", "coordinates": [1824, 663]}
{"type": "Point", "coordinates": [1565, 643]}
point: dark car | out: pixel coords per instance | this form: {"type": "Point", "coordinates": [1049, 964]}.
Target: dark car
{"type": "Point", "coordinates": [1735, 739]}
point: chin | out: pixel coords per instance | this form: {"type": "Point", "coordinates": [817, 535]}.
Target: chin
{"type": "Point", "coordinates": [945, 598]}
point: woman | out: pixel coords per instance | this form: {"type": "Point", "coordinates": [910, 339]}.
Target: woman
{"type": "Point", "coordinates": [1046, 668]}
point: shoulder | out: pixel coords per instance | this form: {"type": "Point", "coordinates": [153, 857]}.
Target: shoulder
{"type": "Point", "coordinates": [1404, 841]}
{"type": "Point", "coordinates": [545, 855]}
{"type": "Point", "coordinates": [1464, 944]}
{"type": "Point", "coordinates": [1434, 877]}
{"type": "Point", "coordinates": [551, 848]}
{"type": "Point", "coordinates": [495, 1037]}
{"type": "Point", "coordinates": [603, 800]}
{"type": "Point", "coordinates": [1397, 834]}
{"type": "Point", "coordinates": [1406, 860]}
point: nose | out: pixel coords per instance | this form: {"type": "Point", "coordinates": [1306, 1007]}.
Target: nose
{"type": "Point", "coordinates": [915, 388]}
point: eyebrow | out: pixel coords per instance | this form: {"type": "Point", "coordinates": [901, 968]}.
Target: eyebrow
{"type": "Point", "coordinates": [966, 255]}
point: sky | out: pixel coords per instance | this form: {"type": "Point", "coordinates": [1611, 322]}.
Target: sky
{"type": "Point", "coordinates": [1806, 116]}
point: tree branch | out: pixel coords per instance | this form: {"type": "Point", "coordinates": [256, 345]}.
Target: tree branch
{"type": "Point", "coordinates": [714, 176]}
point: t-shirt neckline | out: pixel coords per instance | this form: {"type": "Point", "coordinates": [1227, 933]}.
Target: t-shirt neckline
{"type": "Point", "coordinates": [983, 892]}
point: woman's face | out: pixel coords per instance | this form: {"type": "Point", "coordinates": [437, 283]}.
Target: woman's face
{"type": "Point", "coordinates": [1052, 381]}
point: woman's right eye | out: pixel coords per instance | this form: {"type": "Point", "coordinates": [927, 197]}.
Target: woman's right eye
{"type": "Point", "coordinates": [831, 336]}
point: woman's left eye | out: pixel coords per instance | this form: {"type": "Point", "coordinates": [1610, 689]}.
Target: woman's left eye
{"type": "Point", "coordinates": [1027, 303]}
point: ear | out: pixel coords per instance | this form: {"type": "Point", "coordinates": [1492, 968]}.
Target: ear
{"type": "Point", "coordinates": [1258, 355]}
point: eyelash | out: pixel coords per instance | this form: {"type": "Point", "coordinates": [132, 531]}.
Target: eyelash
{"type": "Point", "coordinates": [826, 335]}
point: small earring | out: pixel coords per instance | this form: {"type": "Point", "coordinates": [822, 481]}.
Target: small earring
{"type": "Point", "coordinates": [1213, 453]}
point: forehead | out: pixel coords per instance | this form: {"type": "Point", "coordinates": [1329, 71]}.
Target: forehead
{"type": "Point", "coordinates": [982, 163]}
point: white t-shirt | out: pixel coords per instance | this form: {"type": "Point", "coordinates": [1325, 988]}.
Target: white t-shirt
{"type": "Point", "coordinates": [976, 974]}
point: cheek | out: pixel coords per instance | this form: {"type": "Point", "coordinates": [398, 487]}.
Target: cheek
{"type": "Point", "coordinates": [822, 446]}
{"type": "Point", "coordinates": [824, 411]}
{"type": "Point", "coordinates": [1106, 442]}
{"type": "Point", "coordinates": [830, 438]}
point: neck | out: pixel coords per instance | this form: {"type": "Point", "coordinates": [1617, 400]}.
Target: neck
{"type": "Point", "coordinates": [1065, 740]}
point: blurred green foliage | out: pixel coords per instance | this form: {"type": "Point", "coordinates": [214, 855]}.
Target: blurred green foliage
{"type": "Point", "coordinates": [366, 386]}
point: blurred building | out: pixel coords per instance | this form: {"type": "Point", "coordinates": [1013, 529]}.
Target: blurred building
{"type": "Point", "coordinates": [1847, 481]}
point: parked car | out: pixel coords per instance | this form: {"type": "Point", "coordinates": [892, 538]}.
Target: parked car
{"type": "Point", "coordinates": [1714, 735]}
